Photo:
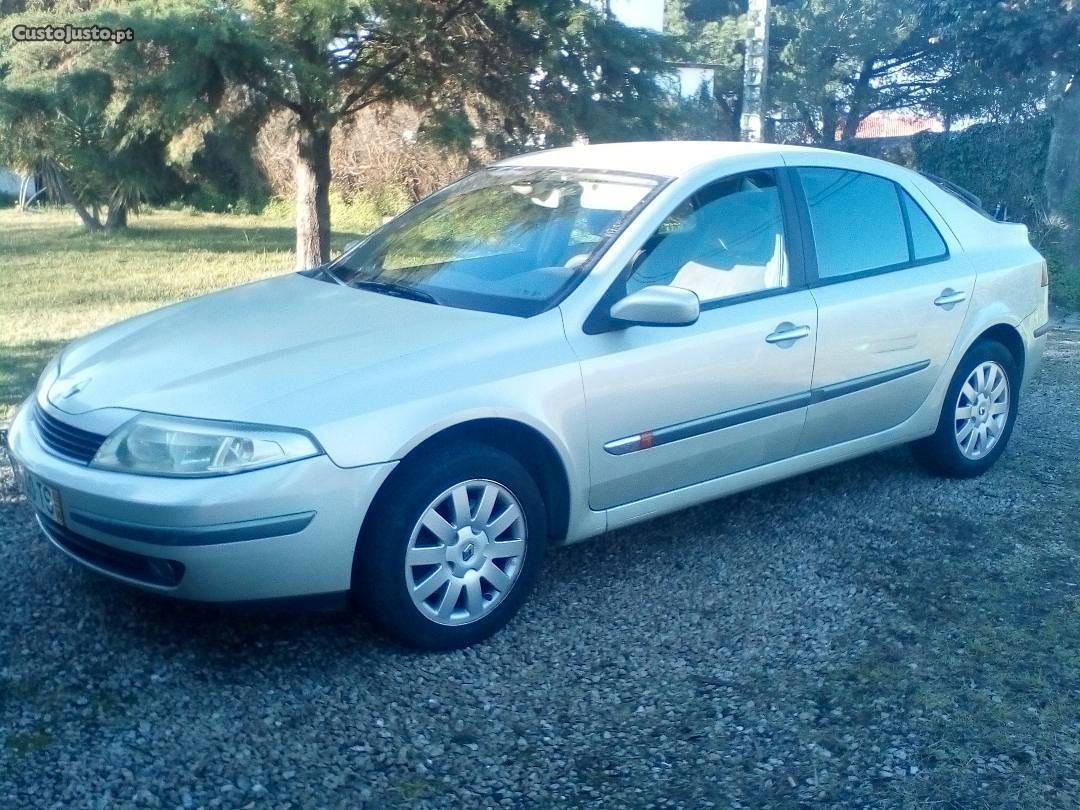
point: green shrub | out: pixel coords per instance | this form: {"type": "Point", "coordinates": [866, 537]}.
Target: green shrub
{"type": "Point", "coordinates": [1064, 278]}
{"type": "Point", "coordinates": [389, 201]}
{"type": "Point", "coordinates": [361, 213]}
{"type": "Point", "coordinates": [999, 163]}
{"type": "Point", "coordinates": [1059, 242]}
{"type": "Point", "coordinates": [211, 199]}
{"type": "Point", "coordinates": [358, 215]}
{"type": "Point", "coordinates": [279, 208]}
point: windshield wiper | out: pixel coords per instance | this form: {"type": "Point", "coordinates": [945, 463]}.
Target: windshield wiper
{"type": "Point", "coordinates": [325, 271]}
{"type": "Point", "coordinates": [397, 290]}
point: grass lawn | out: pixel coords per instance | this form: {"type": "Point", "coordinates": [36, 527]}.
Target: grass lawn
{"type": "Point", "coordinates": [58, 282]}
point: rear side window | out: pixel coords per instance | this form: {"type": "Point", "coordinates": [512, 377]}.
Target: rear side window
{"type": "Point", "coordinates": [856, 219]}
{"type": "Point", "coordinates": [926, 241]}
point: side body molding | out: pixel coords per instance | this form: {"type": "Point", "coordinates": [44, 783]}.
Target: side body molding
{"type": "Point", "coordinates": [696, 427]}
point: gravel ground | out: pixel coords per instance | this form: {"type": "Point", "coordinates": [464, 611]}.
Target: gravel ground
{"type": "Point", "coordinates": [866, 636]}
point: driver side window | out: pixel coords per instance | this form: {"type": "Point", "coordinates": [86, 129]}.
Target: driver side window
{"type": "Point", "coordinates": [725, 240]}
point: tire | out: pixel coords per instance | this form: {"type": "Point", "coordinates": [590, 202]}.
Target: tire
{"type": "Point", "coordinates": [956, 451]}
{"type": "Point", "coordinates": [403, 545]}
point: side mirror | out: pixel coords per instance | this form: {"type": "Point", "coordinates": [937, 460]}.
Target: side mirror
{"type": "Point", "coordinates": [658, 305]}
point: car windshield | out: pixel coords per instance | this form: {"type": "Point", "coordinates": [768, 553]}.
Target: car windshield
{"type": "Point", "coordinates": [510, 240]}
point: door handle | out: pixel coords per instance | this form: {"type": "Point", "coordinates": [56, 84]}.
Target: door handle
{"type": "Point", "coordinates": [788, 332]}
{"type": "Point", "coordinates": [949, 297]}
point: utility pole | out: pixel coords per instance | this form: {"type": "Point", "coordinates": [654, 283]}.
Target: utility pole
{"type": "Point", "coordinates": [755, 72]}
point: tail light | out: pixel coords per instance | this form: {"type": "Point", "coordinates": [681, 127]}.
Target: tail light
{"type": "Point", "coordinates": [1045, 276]}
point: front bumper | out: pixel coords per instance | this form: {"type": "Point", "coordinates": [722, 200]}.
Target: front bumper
{"type": "Point", "coordinates": [278, 532]}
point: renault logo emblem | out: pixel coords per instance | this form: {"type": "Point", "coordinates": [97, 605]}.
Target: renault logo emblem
{"type": "Point", "coordinates": [75, 388]}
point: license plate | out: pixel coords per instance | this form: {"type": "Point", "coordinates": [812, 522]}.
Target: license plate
{"type": "Point", "coordinates": [44, 498]}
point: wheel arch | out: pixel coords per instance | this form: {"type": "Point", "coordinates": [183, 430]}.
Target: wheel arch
{"type": "Point", "coordinates": [1009, 337]}
{"type": "Point", "coordinates": [525, 443]}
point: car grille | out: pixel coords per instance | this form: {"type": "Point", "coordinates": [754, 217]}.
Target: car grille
{"type": "Point", "coordinates": [139, 567]}
{"type": "Point", "coordinates": [64, 440]}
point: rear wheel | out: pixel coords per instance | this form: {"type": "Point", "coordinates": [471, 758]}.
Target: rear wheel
{"type": "Point", "coordinates": [451, 551]}
{"type": "Point", "coordinates": [977, 416]}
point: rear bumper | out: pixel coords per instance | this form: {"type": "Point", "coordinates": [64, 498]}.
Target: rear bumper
{"type": "Point", "coordinates": [1034, 329]}
{"type": "Point", "coordinates": [280, 532]}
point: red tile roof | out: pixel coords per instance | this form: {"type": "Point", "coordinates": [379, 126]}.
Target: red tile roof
{"type": "Point", "coordinates": [886, 125]}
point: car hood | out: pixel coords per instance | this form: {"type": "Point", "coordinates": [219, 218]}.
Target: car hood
{"type": "Point", "coordinates": [224, 355]}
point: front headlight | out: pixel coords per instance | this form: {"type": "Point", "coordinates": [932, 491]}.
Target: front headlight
{"type": "Point", "coordinates": [151, 444]}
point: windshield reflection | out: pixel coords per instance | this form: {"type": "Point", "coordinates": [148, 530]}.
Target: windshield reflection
{"type": "Point", "coordinates": [505, 239]}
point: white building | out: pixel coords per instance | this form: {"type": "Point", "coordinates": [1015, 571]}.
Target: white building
{"type": "Point", "coordinates": [11, 183]}
{"type": "Point", "coordinates": [639, 13]}
{"type": "Point", "coordinates": [649, 14]}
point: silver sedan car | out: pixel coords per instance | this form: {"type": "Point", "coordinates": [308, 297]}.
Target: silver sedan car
{"type": "Point", "coordinates": [559, 345]}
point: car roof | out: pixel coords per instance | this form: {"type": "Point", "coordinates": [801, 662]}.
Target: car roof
{"type": "Point", "coordinates": [669, 158]}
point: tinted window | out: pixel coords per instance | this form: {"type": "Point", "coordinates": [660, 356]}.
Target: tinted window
{"type": "Point", "coordinates": [856, 221]}
{"type": "Point", "coordinates": [725, 240]}
{"type": "Point", "coordinates": [926, 241]}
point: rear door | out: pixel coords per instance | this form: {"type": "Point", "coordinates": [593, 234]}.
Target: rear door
{"type": "Point", "coordinates": [892, 290]}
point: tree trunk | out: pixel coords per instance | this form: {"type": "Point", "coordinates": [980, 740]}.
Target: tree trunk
{"type": "Point", "coordinates": [116, 211]}
{"type": "Point", "coordinates": [312, 195]}
{"type": "Point", "coordinates": [55, 176]}
{"type": "Point", "coordinates": [858, 101]}
{"type": "Point", "coordinates": [117, 216]}
{"type": "Point", "coordinates": [1062, 178]}
{"type": "Point", "coordinates": [828, 122]}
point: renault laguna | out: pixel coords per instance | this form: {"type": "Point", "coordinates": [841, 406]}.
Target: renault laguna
{"type": "Point", "coordinates": [556, 346]}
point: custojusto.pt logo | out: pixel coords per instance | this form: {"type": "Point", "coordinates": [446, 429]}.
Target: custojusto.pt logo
{"type": "Point", "coordinates": [68, 33]}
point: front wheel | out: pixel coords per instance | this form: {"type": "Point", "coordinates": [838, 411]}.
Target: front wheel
{"type": "Point", "coordinates": [450, 553]}
{"type": "Point", "coordinates": [977, 416]}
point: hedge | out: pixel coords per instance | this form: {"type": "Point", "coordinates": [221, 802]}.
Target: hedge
{"type": "Point", "coordinates": [998, 163]}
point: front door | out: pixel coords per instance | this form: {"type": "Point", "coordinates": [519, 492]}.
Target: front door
{"type": "Point", "coordinates": [673, 406]}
